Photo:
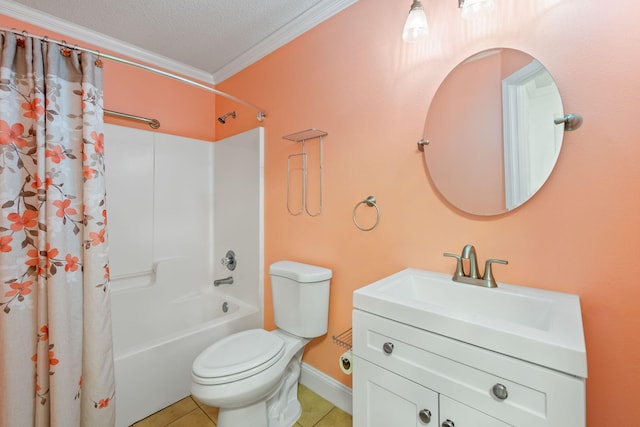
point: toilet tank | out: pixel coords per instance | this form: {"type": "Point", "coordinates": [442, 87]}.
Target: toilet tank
{"type": "Point", "coordinates": [300, 298]}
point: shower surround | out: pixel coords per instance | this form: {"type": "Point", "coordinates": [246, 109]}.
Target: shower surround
{"type": "Point", "coordinates": [176, 205]}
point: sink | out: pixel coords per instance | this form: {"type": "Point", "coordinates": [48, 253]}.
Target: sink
{"type": "Point", "coordinates": [470, 302]}
{"type": "Point", "coordinates": [536, 325]}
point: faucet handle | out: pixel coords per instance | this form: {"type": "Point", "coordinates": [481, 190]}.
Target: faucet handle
{"type": "Point", "coordinates": [229, 260]}
{"type": "Point", "coordinates": [459, 272]}
{"type": "Point", "coordinates": [488, 274]}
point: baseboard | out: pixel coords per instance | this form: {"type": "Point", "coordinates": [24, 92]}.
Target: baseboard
{"type": "Point", "coordinates": [327, 387]}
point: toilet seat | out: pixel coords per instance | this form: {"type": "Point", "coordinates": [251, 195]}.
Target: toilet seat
{"type": "Point", "coordinates": [238, 356]}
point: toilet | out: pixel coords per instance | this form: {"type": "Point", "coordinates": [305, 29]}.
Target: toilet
{"type": "Point", "coordinates": [252, 376]}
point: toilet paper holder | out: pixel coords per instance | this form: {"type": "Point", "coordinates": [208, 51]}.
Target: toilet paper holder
{"type": "Point", "coordinates": [346, 362]}
{"type": "Point", "coordinates": [345, 340]}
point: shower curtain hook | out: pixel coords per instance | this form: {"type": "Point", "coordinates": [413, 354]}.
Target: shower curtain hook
{"type": "Point", "coordinates": [64, 50]}
{"type": "Point", "coordinates": [22, 41]}
{"type": "Point", "coordinates": [98, 61]}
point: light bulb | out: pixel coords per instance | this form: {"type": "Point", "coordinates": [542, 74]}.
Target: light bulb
{"type": "Point", "coordinates": [472, 8]}
{"type": "Point", "coordinates": [416, 26]}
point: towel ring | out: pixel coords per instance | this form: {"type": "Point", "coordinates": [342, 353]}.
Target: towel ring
{"type": "Point", "coordinates": [371, 202]}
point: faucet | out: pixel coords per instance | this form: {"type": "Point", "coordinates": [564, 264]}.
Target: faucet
{"type": "Point", "coordinates": [473, 277]}
{"type": "Point", "coordinates": [225, 281]}
{"type": "Point", "coordinates": [469, 252]}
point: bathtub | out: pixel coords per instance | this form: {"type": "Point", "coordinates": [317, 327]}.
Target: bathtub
{"type": "Point", "coordinates": [156, 341]}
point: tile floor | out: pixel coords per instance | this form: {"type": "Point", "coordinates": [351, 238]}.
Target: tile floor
{"type": "Point", "coordinates": [316, 412]}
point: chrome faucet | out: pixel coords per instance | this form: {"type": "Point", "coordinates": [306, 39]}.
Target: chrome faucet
{"type": "Point", "coordinates": [225, 281]}
{"type": "Point", "coordinates": [473, 277]}
{"type": "Point", "coordinates": [469, 252]}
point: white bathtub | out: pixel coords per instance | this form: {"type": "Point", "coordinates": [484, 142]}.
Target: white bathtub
{"type": "Point", "coordinates": [156, 341]}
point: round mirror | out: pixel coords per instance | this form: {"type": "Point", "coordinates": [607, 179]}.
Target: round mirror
{"type": "Point", "coordinates": [492, 139]}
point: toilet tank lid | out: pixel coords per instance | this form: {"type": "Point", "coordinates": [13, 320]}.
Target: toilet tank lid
{"type": "Point", "coordinates": [300, 272]}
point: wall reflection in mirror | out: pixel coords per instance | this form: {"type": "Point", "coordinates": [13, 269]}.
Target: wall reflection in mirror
{"type": "Point", "coordinates": [493, 140]}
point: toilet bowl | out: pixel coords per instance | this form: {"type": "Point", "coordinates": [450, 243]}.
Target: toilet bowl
{"type": "Point", "coordinates": [252, 376]}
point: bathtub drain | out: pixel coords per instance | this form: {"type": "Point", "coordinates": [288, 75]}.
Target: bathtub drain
{"type": "Point", "coordinates": [225, 307]}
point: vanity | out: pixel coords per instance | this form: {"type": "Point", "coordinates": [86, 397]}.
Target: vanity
{"type": "Point", "coordinates": [429, 351]}
{"type": "Point", "coordinates": [435, 350]}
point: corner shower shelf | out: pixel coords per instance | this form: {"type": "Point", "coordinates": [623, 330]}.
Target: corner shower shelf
{"type": "Point", "coordinates": [302, 137]}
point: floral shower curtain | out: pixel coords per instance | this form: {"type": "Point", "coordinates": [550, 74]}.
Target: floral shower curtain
{"type": "Point", "coordinates": [56, 359]}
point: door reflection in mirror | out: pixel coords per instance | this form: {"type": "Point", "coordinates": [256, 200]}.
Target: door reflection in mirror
{"type": "Point", "coordinates": [493, 140]}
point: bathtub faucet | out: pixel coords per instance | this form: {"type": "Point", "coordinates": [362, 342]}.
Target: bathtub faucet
{"type": "Point", "coordinates": [225, 281]}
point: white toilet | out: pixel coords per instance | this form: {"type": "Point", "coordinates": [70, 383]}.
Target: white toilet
{"type": "Point", "coordinates": [252, 376]}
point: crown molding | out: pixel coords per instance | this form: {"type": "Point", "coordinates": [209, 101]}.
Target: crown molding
{"type": "Point", "coordinates": [309, 19]}
{"type": "Point", "coordinates": [102, 41]}
{"type": "Point", "coordinates": [303, 23]}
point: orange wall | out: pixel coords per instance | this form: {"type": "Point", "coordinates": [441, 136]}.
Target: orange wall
{"type": "Point", "coordinates": [353, 77]}
{"type": "Point", "coordinates": [181, 109]}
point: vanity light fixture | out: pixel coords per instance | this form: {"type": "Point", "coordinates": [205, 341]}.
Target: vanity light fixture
{"type": "Point", "coordinates": [416, 27]}
{"type": "Point", "coordinates": [471, 8]}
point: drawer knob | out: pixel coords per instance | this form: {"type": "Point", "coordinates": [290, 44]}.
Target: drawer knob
{"type": "Point", "coordinates": [448, 423]}
{"type": "Point", "coordinates": [425, 416]}
{"type": "Point", "coordinates": [500, 391]}
{"type": "Point", "coordinates": [387, 347]}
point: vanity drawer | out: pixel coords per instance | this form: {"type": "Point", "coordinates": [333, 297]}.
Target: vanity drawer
{"type": "Point", "coordinates": [536, 396]}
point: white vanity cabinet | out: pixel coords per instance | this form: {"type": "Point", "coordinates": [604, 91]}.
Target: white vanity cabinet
{"type": "Point", "coordinates": [386, 399]}
{"type": "Point", "coordinates": [401, 370]}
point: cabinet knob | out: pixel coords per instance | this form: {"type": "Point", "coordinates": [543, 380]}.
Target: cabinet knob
{"type": "Point", "coordinates": [448, 423]}
{"type": "Point", "coordinates": [387, 347]}
{"type": "Point", "coordinates": [500, 391]}
{"type": "Point", "coordinates": [425, 416]}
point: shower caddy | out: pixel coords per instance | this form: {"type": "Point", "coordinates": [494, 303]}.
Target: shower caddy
{"type": "Point", "coordinates": [302, 137]}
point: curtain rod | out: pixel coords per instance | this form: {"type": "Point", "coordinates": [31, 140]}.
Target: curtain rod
{"type": "Point", "coordinates": [260, 113]}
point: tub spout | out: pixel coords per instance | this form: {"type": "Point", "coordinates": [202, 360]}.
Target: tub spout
{"type": "Point", "coordinates": [225, 281]}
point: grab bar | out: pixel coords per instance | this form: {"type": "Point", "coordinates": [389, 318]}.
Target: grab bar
{"type": "Point", "coordinates": [153, 123]}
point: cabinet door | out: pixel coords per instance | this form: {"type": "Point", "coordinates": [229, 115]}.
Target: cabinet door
{"type": "Point", "coordinates": [463, 416]}
{"type": "Point", "coordinates": [382, 399]}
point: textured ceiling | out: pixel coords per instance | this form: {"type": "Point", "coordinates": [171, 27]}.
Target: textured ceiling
{"type": "Point", "coordinates": [207, 35]}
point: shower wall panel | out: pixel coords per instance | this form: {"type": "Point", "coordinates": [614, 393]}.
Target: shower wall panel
{"type": "Point", "coordinates": [160, 205]}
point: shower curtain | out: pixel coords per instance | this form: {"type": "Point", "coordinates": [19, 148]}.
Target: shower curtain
{"type": "Point", "coordinates": [56, 358]}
